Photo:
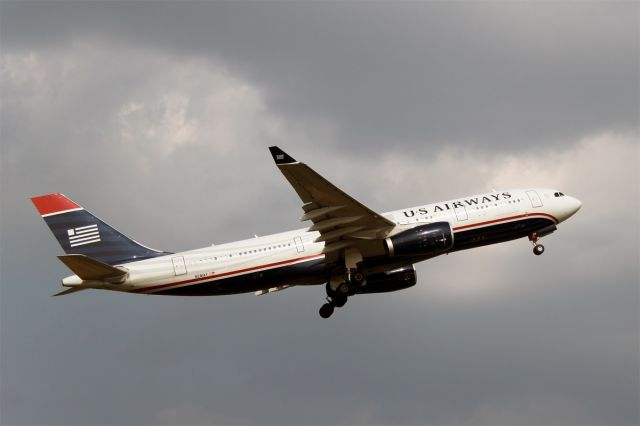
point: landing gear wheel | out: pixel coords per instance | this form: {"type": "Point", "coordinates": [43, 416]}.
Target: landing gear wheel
{"type": "Point", "coordinates": [326, 310]}
{"type": "Point", "coordinates": [329, 290]}
{"type": "Point", "coordinates": [343, 289]}
{"type": "Point", "coordinates": [339, 300]}
{"type": "Point", "coordinates": [357, 278]}
{"type": "Point", "coordinates": [538, 249]}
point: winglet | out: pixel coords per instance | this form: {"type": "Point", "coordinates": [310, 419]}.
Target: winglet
{"type": "Point", "coordinates": [281, 157]}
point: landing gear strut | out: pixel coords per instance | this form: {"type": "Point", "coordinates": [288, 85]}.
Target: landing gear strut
{"type": "Point", "coordinates": [343, 281]}
{"type": "Point", "coordinates": [538, 249]}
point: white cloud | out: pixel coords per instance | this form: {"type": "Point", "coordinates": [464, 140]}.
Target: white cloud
{"type": "Point", "coordinates": [195, 102]}
{"type": "Point", "coordinates": [184, 130]}
{"type": "Point", "coordinates": [155, 102]}
{"type": "Point", "coordinates": [163, 121]}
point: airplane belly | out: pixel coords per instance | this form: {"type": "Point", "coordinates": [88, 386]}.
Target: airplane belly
{"type": "Point", "coordinates": [471, 237]}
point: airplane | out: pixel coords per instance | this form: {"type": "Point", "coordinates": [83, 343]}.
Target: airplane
{"type": "Point", "coordinates": [348, 247]}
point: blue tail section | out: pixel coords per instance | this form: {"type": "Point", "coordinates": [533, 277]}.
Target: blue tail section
{"type": "Point", "coordinates": [80, 232]}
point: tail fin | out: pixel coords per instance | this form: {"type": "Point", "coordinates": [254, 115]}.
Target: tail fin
{"type": "Point", "coordinates": [80, 232]}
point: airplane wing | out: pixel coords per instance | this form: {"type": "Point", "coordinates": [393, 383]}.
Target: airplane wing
{"type": "Point", "coordinates": [339, 218]}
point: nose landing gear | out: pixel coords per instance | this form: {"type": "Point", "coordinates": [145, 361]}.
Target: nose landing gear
{"type": "Point", "coordinates": [538, 249]}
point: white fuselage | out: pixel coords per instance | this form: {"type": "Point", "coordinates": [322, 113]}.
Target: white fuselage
{"type": "Point", "coordinates": [251, 257]}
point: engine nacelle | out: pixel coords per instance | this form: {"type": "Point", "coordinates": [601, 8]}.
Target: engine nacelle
{"type": "Point", "coordinates": [430, 239]}
{"type": "Point", "coordinates": [384, 282]}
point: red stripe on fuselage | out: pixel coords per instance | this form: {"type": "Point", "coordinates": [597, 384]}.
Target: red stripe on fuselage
{"type": "Point", "coordinates": [224, 274]}
{"type": "Point", "coordinates": [505, 219]}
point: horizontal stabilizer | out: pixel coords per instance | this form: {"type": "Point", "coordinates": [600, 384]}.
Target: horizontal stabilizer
{"type": "Point", "coordinates": [69, 291]}
{"type": "Point", "coordinates": [91, 269]}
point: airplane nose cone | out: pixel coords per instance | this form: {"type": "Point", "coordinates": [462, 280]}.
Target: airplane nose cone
{"type": "Point", "coordinates": [570, 206]}
{"type": "Point", "coordinates": [576, 204]}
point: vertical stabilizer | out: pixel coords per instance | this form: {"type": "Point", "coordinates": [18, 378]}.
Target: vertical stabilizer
{"type": "Point", "coordinates": [80, 232]}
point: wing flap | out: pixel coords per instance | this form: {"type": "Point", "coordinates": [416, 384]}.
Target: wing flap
{"type": "Point", "coordinates": [337, 233]}
{"type": "Point", "coordinates": [333, 222]}
{"type": "Point", "coordinates": [338, 245]}
{"type": "Point", "coordinates": [315, 213]}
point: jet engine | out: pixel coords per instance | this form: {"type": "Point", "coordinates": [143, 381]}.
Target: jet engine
{"type": "Point", "coordinates": [384, 282]}
{"type": "Point", "coordinates": [424, 240]}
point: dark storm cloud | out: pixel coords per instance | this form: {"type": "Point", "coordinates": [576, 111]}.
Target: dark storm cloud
{"type": "Point", "coordinates": [424, 73]}
{"type": "Point", "coordinates": [156, 117]}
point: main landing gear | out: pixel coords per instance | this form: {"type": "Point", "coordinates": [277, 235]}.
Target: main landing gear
{"type": "Point", "coordinates": [538, 248]}
{"type": "Point", "coordinates": [326, 310]}
{"type": "Point", "coordinates": [339, 288]}
{"type": "Point", "coordinates": [335, 299]}
{"type": "Point", "coordinates": [344, 280]}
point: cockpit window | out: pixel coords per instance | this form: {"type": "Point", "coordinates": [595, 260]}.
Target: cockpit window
{"type": "Point", "coordinates": [558, 194]}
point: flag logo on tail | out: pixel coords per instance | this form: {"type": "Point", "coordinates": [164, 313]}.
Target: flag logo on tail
{"type": "Point", "coordinates": [83, 235]}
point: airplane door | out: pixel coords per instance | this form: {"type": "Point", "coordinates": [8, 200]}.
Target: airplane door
{"type": "Point", "coordinates": [179, 266]}
{"type": "Point", "coordinates": [534, 198]}
{"type": "Point", "coordinates": [461, 213]}
{"type": "Point", "coordinates": [299, 244]}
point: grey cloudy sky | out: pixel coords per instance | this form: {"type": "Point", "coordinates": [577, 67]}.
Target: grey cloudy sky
{"type": "Point", "coordinates": [156, 116]}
